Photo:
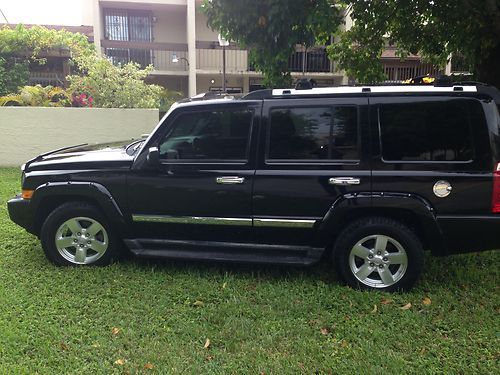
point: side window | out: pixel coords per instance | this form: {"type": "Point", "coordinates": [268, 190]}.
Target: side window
{"type": "Point", "coordinates": [313, 133]}
{"type": "Point", "coordinates": [208, 135]}
{"type": "Point", "coordinates": [426, 131]}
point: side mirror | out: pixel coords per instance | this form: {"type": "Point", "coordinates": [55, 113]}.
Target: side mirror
{"type": "Point", "coordinates": [153, 157]}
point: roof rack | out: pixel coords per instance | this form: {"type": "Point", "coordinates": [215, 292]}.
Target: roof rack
{"type": "Point", "coordinates": [373, 89]}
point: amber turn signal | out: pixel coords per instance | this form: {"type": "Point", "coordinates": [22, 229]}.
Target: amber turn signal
{"type": "Point", "coordinates": [27, 194]}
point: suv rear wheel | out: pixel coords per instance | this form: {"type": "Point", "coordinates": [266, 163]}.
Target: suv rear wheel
{"type": "Point", "coordinates": [76, 233]}
{"type": "Point", "coordinates": [378, 253]}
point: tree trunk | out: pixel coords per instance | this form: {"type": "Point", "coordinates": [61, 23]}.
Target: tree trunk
{"type": "Point", "coordinates": [488, 69]}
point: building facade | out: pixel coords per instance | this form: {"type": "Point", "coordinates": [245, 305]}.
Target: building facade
{"type": "Point", "coordinates": [173, 36]}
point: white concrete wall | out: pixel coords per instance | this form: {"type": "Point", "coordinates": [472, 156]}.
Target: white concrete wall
{"type": "Point", "coordinates": [28, 131]}
{"type": "Point", "coordinates": [170, 25]}
{"type": "Point", "coordinates": [203, 32]}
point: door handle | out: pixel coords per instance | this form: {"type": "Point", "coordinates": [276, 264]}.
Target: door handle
{"type": "Point", "coordinates": [344, 181]}
{"type": "Point", "coordinates": [229, 180]}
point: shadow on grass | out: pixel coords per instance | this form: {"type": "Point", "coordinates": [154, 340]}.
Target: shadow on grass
{"type": "Point", "coordinates": [439, 272]}
{"type": "Point", "coordinates": [321, 271]}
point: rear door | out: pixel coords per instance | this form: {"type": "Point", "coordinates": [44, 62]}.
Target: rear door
{"type": "Point", "coordinates": [312, 152]}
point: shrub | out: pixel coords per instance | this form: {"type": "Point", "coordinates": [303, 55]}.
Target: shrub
{"type": "Point", "coordinates": [37, 96]}
{"type": "Point", "coordinates": [113, 86]}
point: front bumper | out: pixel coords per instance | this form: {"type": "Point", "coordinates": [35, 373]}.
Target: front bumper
{"type": "Point", "coordinates": [20, 212]}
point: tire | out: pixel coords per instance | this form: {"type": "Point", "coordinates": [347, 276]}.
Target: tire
{"type": "Point", "coordinates": [77, 233]}
{"type": "Point", "coordinates": [378, 253]}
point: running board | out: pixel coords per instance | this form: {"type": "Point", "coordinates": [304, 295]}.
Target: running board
{"type": "Point", "coordinates": [224, 251]}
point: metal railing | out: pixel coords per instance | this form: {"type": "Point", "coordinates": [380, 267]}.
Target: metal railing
{"type": "Point", "coordinates": [46, 78]}
{"type": "Point", "coordinates": [211, 59]}
{"type": "Point", "coordinates": [208, 59]}
{"type": "Point", "coordinates": [160, 59]}
{"type": "Point", "coordinates": [397, 72]}
{"type": "Point", "coordinates": [315, 60]}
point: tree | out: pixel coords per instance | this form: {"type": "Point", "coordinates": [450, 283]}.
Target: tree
{"type": "Point", "coordinates": [434, 29]}
{"type": "Point", "coordinates": [271, 29]}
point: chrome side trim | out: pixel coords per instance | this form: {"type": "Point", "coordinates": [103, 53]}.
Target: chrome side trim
{"type": "Point", "coordinates": [247, 222]}
{"type": "Point", "coordinates": [283, 223]}
{"type": "Point", "coordinates": [193, 220]}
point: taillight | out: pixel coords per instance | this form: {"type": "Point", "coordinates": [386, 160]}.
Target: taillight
{"type": "Point", "coordinates": [495, 199]}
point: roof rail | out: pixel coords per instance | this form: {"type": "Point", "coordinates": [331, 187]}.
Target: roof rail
{"type": "Point", "coordinates": [457, 87]}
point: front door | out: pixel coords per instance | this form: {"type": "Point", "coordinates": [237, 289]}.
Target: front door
{"type": "Point", "coordinates": [202, 189]}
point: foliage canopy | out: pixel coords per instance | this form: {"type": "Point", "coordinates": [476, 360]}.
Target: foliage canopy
{"type": "Point", "coordinates": [433, 29]}
{"type": "Point", "coordinates": [271, 29]}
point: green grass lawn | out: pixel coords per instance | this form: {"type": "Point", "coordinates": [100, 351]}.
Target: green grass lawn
{"type": "Point", "coordinates": [156, 317]}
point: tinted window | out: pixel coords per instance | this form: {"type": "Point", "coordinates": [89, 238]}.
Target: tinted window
{"type": "Point", "coordinates": [426, 131]}
{"type": "Point", "coordinates": [218, 135]}
{"type": "Point", "coordinates": [313, 133]}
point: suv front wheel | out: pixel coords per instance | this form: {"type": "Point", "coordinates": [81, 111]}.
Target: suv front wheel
{"type": "Point", "coordinates": [378, 253]}
{"type": "Point", "coordinates": [76, 233]}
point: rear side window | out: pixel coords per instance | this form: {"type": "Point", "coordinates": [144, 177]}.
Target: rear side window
{"type": "Point", "coordinates": [426, 131]}
{"type": "Point", "coordinates": [313, 133]}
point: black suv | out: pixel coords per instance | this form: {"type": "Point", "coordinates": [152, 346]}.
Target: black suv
{"type": "Point", "coordinates": [365, 176]}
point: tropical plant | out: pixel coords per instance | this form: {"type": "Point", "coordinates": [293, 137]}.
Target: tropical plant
{"type": "Point", "coordinates": [37, 96]}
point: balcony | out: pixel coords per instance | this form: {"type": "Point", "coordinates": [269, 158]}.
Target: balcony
{"type": "Point", "coordinates": [47, 78]}
{"type": "Point", "coordinates": [397, 71]}
{"type": "Point", "coordinates": [157, 54]}
{"type": "Point", "coordinates": [211, 60]}
{"type": "Point", "coordinates": [312, 61]}
{"type": "Point", "coordinates": [208, 58]}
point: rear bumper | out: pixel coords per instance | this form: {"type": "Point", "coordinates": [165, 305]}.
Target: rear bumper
{"type": "Point", "coordinates": [470, 233]}
{"type": "Point", "coordinates": [20, 213]}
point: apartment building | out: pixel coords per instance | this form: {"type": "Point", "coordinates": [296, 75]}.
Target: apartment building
{"type": "Point", "coordinates": [173, 36]}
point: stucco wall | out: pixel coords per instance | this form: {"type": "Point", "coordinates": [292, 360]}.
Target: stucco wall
{"type": "Point", "coordinates": [28, 131]}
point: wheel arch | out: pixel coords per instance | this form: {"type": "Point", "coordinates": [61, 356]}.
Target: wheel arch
{"type": "Point", "coordinates": [412, 210]}
{"type": "Point", "coordinates": [51, 195]}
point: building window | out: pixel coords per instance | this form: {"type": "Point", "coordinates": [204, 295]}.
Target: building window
{"type": "Point", "coordinates": [128, 26]}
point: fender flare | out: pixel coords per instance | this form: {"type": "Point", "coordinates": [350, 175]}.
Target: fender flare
{"type": "Point", "coordinates": [90, 190]}
{"type": "Point", "coordinates": [350, 206]}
